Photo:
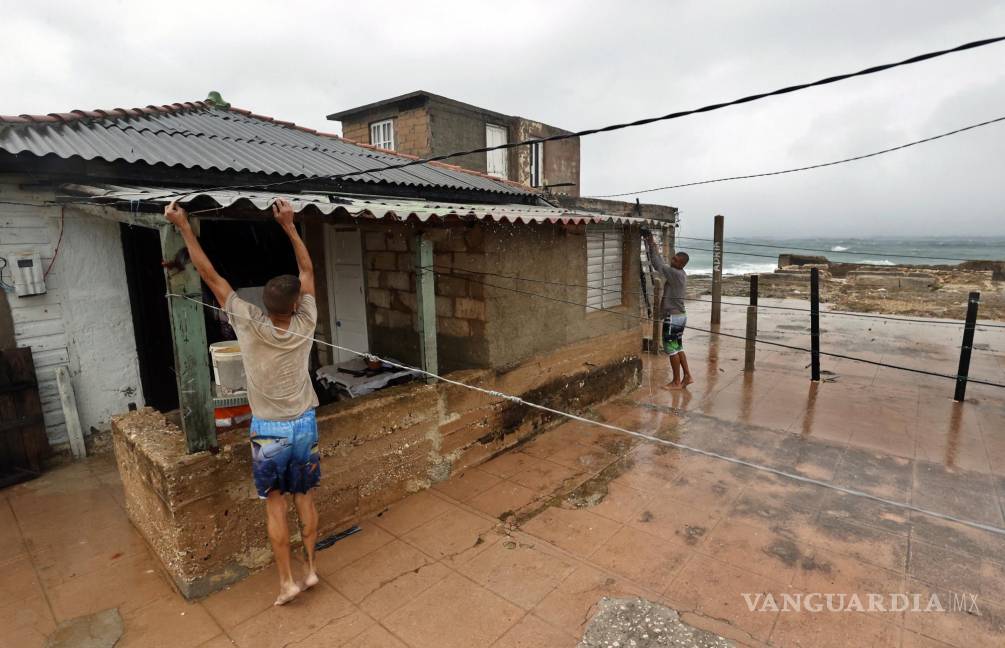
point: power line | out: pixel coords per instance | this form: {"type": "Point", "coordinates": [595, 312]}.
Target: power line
{"type": "Point", "coordinates": [724, 303]}
{"type": "Point", "coordinates": [804, 168]}
{"type": "Point", "coordinates": [720, 333]}
{"type": "Point", "coordinates": [647, 437]}
{"type": "Point", "coordinates": [792, 247]}
{"type": "Point", "coordinates": [640, 122]}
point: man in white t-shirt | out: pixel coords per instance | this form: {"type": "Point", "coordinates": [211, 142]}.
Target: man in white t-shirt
{"type": "Point", "coordinates": [275, 347]}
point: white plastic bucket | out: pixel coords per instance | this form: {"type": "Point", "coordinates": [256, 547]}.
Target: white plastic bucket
{"type": "Point", "coordinates": [228, 367]}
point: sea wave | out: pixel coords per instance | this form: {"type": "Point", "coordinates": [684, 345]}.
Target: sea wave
{"type": "Point", "coordinates": [737, 269]}
{"type": "Point", "coordinates": [883, 262]}
{"type": "Point", "coordinates": [838, 248]}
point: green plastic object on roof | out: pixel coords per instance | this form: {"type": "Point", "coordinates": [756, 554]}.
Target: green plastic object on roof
{"type": "Point", "coordinates": [216, 100]}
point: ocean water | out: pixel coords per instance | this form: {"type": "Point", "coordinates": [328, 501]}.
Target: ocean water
{"type": "Point", "coordinates": [748, 254]}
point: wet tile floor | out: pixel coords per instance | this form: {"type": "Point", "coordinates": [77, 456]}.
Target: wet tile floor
{"type": "Point", "coordinates": [518, 551]}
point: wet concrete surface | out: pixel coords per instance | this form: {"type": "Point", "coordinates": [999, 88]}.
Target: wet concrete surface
{"type": "Point", "coordinates": [523, 550]}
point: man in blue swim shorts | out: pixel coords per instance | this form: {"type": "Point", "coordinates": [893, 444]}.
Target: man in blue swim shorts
{"type": "Point", "coordinates": [672, 310]}
{"type": "Point", "coordinates": [275, 347]}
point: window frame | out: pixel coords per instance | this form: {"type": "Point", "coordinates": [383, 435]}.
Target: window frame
{"type": "Point", "coordinates": [537, 164]}
{"type": "Point", "coordinates": [503, 154]}
{"type": "Point", "coordinates": [381, 141]}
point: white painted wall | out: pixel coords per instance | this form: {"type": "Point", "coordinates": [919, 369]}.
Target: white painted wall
{"type": "Point", "coordinates": [84, 320]}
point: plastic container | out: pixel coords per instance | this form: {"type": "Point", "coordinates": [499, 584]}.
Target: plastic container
{"type": "Point", "coordinates": [228, 367]}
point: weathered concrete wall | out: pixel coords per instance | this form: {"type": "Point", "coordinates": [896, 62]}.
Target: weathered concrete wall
{"type": "Point", "coordinates": [617, 207]}
{"type": "Point", "coordinates": [561, 158]}
{"type": "Point", "coordinates": [200, 512]}
{"type": "Point", "coordinates": [521, 325]}
{"type": "Point", "coordinates": [84, 321]}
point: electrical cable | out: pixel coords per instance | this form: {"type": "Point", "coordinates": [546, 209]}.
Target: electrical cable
{"type": "Point", "coordinates": [793, 247]}
{"type": "Point", "coordinates": [640, 122]}
{"type": "Point", "coordinates": [55, 252]}
{"type": "Point", "coordinates": [639, 435]}
{"type": "Point", "coordinates": [730, 335]}
{"type": "Point", "coordinates": [725, 303]}
{"type": "Point", "coordinates": [803, 168]}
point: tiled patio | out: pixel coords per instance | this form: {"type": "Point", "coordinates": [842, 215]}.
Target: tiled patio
{"type": "Point", "coordinates": [518, 551]}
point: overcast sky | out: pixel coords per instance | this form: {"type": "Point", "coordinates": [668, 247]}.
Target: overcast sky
{"type": "Point", "coordinates": [583, 64]}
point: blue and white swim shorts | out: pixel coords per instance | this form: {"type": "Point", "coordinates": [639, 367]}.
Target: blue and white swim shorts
{"type": "Point", "coordinates": [284, 454]}
{"type": "Point", "coordinates": [673, 333]}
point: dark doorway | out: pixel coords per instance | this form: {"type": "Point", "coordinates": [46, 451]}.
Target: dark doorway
{"type": "Point", "coordinates": [141, 250]}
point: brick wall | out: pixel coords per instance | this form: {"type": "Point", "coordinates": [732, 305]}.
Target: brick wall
{"type": "Point", "coordinates": [389, 257]}
{"type": "Point", "coordinates": [411, 128]}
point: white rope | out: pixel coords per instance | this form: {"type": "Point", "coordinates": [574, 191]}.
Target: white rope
{"type": "Point", "coordinates": [638, 435]}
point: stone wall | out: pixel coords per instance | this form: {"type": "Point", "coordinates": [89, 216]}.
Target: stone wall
{"type": "Point", "coordinates": [200, 512]}
{"type": "Point", "coordinates": [411, 128]}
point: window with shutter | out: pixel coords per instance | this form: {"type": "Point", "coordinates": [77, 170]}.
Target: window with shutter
{"type": "Point", "coordinates": [382, 134]}
{"type": "Point", "coordinates": [604, 260]}
{"type": "Point", "coordinates": [496, 162]}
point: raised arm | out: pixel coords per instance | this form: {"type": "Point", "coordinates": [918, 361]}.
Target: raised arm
{"type": "Point", "coordinates": [218, 285]}
{"type": "Point", "coordinates": [283, 211]}
{"type": "Point", "coordinates": [654, 253]}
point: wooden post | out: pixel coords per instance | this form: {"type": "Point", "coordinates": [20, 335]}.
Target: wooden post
{"type": "Point", "coordinates": [70, 415]}
{"type": "Point", "coordinates": [425, 294]}
{"type": "Point", "coordinates": [717, 271]}
{"type": "Point", "coordinates": [749, 352]}
{"type": "Point", "coordinates": [191, 351]}
{"type": "Point", "coordinates": [968, 344]}
{"type": "Point", "coordinates": [815, 324]}
{"type": "Point", "coordinates": [657, 320]}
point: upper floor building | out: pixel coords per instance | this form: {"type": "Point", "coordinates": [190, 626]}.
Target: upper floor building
{"type": "Point", "coordinates": [424, 124]}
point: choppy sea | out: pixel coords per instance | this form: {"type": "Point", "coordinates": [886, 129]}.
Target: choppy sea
{"type": "Point", "coordinates": [745, 255]}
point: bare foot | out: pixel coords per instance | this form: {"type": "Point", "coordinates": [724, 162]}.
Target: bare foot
{"type": "Point", "coordinates": [310, 580]}
{"type": "Point", "coordinates": [673, 385]}
{"type": "Point", "coordinates": [287, 593]}
{"type": "Point", "coordinates": [687, 380]}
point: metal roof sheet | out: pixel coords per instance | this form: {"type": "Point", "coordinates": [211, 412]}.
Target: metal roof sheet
{"type": "Point", "coordinates": [371, 207]}
{"type": "Point", "coordinates": [200, 136]}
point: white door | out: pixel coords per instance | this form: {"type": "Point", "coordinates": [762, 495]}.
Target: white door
{"type": "Point", "coordinates": [346, 292]}
{"type": "Point", "coordinates": [496, 162]}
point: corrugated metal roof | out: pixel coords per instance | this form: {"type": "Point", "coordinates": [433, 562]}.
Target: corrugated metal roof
{"type": "Point", "coordinates": [353, 206]}
{"type": "Point", "coordinates": [200, 136]}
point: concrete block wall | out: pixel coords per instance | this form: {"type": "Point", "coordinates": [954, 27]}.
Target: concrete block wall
{"type": "Point", "coordinates": [200, 512]}
{"type": "Point", "coordinates": [411, 128]}
{"type": "Point", "coordinates": [389, 258]}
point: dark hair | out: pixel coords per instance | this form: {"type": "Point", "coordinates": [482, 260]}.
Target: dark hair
{"type": "Point", "coordinates": [280, 294]}
{"type": "Point", "coordinates": [683, 254]}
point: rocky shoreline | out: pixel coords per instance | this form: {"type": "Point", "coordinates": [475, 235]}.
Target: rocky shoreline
{"type": "Point", "coordinates": [920, 290]}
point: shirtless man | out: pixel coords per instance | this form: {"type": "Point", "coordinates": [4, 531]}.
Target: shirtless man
{"type": "Point", "coordinates": [275, 347]}
{"type": "Point", "coordinates": [672, 309]}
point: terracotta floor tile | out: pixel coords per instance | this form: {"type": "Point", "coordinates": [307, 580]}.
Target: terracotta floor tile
{"type": "Point", "coordinates": [508, 464]}
{"type": "Point", "coordinates": [377, 637]}
{"type": "Point", "coordinates": [958, 537]}
{"type": "Point", "coordinates": [11, 542]}
{"type": "Point", "coordinates": [467, 484]}
{"type": "Point", "coordinates": [29, 616]}
{"type": "Point", "coordinates": [757, 547]}
{"type": "Point", "coordinates": [993, 581]}
{"type": "Point", "coordinates": [641, 557]}
{"type": "Point", "coordinates": [414, 510]}
{"type": "Point", "coordinates": [517, 571]}
{"type": "Point", "coordinates": [875, 473]}
{"type": "Point", "coordinates": [943, 569]}
{"type": "Point", "coordinates": [577, 531]}
{"type": "Point", "coordinates": [244, 599]}
{"type": "Point", "coordinates": [454, 613]}
{"type": "Point", "coordinates": [913, 640]}
{"type": "Point", "coordinates": [848, 538]}
{"type": "Point", "coordinates": [568, 606]}
{"type": "Point", "coordinates": [73, 561]}
{"type": "Point", "coordinates": [128, 584]}
{"type": "Point", "coordinates": [833, 630]}
{"type": "Point", "coordinates": [169, 622]}
{"type": "Point", "coordinates": [451, 536]}
{"type": "Point", "coordinates": [23, 637]}
{"type": "Point", "coordinates": [835, 505]}
{"type": "Point", "coordinates": [532, 632]}
{"type": "Point", "coordinates": [945, 490]}
{"type": "Point", "coordinates": [370, 538]}
{"type": "Point", "coordinates": [343, 631]}
{"type": "Point", "coordinates": [504, 498]}
{"type": "Point", "coordinates": [621, 503]}
{"type": "Point", "coordinates": [387, 578]}
{"type": "Point", "coordinates": [687, 510]}
{"type": "Point", "coordinates": [295, 621]}
{"type": "Point", "coordinates": [545, 476]}
{"type": "Point", "coordinates": [957, 627]}
{"type": "Point", "coordinates": [716, 589]}
{"type": "Point", "coordinates": [19, 579]}
{"type": "Point", "coordinates": [582, 459]}
{"type": "Point", "coordinates": [547, 444]}
{"type": "Point", "coordinates": [219, 641]}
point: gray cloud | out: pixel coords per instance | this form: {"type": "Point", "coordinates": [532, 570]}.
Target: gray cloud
{"type": "Point", "coordinates": [583, 64]}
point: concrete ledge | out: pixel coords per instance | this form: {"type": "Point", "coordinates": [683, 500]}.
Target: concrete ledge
{"type": "Point", "coordinates": [200, 512]}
